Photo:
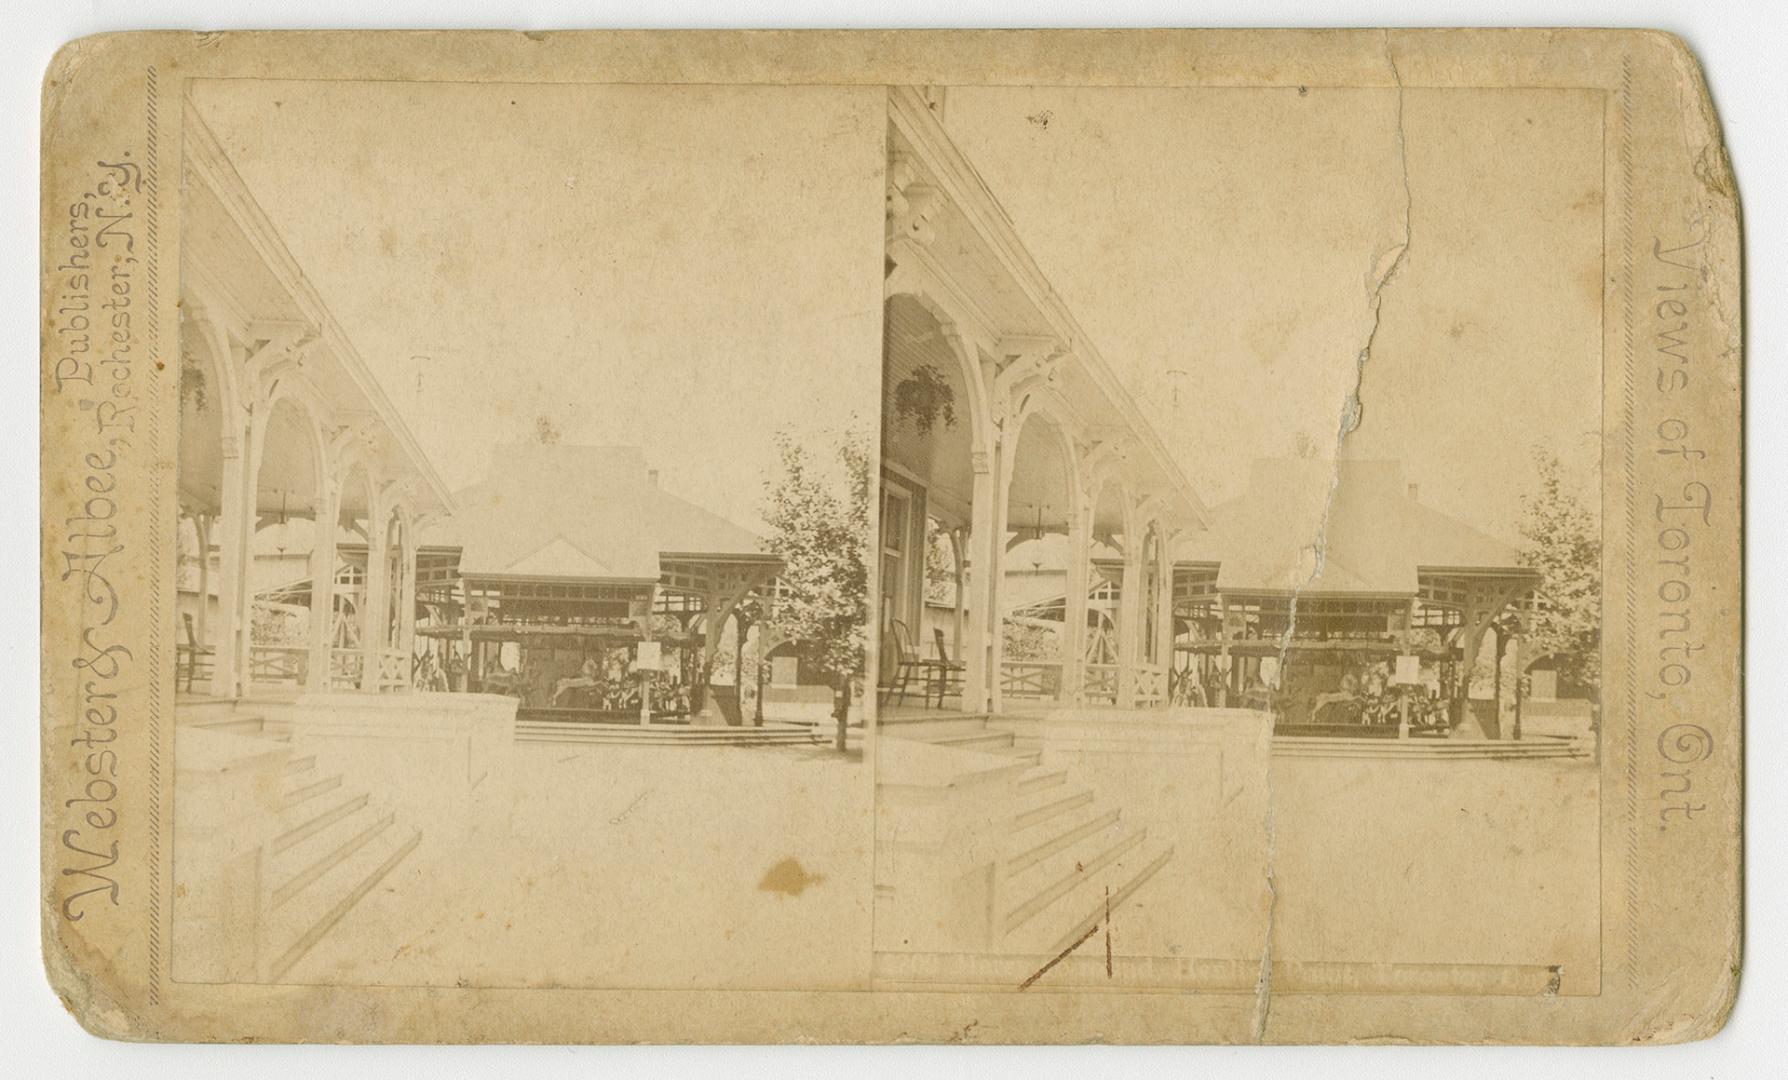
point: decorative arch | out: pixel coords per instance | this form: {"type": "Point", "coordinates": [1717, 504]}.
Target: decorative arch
{"type": "Point", "coordinates": [276, 649]}
{"type": "Point", "coordinates": [207, 328]}
{"type": "Point", "coordinates": [962, 349]}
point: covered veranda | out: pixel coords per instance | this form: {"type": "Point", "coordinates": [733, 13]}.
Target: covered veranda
{"type": "Point", "coordinates": [299, 489]}
{"type": "Point", "coordinates": [1006, 434]}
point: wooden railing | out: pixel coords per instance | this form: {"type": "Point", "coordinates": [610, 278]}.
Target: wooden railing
{"type": "Point", "coordinates": [345, 666]}
{"type": "Point", "coordinates": [278, 664]}
{"type": "Point", "coordinates": [1037, 680]}
{"type": "Point", "coordinates": [1151, 685]}
{"type": "Point", "coordinates": [394, 670]}
{"type": "Point", "coordinates": [1099, 684]}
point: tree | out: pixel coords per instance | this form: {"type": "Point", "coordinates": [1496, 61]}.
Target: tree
{"type": "Point", "coordinates": [819, 526]}
{"type": "Point", "coordinates": [1561, 540]}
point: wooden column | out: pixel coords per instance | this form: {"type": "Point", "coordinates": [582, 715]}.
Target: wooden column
{"type": "Point", "coordinates": [996, 578]}
{"type": "Point", "coordinates": [322, 581]}
{"type": "Point", "coordinates": [201, 527]}
{"type": "Point", "coordinates": [1224, 667]}
{"type": "Point", "coordinates": [977, 650]}
{"type": "Point", "coordinates": [377, 601]}
{"type": "Point", "coordinates": [1164, 617]}
{"type": "Point", "coordinates": [251, 473]}
{"type": "Point", "coordinates": [234, 521]}
{"type": "Point", "coordinates": [465, 637]}
{"type": "Point", "coordinates": [1129, 622]}
{"type": "Point", "coordinates": [406, 612]}
{"type": "Point", "coordinates": [959, 549]}
{"type": "Point", "coordinates": [1074, 599]}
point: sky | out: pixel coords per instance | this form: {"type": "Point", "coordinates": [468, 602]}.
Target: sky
{"type": "Point", "coordinates": [690, 269]}
{"type": "Point", "coordinates": [634, 265]}
{"type": "Point", "coordinates": [1233, 235]}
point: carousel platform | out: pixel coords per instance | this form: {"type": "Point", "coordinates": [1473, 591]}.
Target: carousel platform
{"type": "Point", "coordinates": [532, 726]}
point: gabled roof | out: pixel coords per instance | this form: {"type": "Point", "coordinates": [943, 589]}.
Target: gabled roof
{"type": "Point", "coordinates": [1376, 538]}
{"type": "Point", "coordinates": [580, 513]}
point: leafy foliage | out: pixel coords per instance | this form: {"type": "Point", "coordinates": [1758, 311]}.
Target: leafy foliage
{"type": "Point", "coordinates": [924, 397]}
{"type": "Point", "coordinates": [1025, 640]}
{"type": "Point", "coordinates": [192, 382]}
{"type": "Point", "coordinates": [1561, 540]}
{"type": "Point", "coordinates": [819, 525]}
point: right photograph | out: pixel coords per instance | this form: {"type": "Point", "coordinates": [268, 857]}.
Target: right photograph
{"type": "Point", "coordinates": [1240, 567]}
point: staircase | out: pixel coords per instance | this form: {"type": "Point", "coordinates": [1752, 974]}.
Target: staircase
{"type": "Point", "coordinates": [1069, 856]}
{"type": "Point", "coordinates": [319, 847]}
{"type": "Point", "coordinates": [335, 847]}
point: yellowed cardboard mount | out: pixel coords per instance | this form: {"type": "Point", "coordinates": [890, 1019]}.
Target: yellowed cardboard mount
{"type": "Point", "coordinates": [1147, 536]}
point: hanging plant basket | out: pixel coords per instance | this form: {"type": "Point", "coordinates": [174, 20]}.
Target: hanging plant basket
{"type": "Point", "coordinates": [924, 398]}
{"type": "Point", "coordinates": [192, 382]}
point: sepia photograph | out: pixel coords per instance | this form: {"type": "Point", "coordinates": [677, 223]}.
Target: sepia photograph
{"type": "Point", "coordinates": [1241, 551]}
{"type": "Point", "coordinates": [522, 582]}
{"type": "Point", "coordinates": [839, 537]}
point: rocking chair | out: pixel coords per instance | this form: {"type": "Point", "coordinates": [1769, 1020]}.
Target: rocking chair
{"type": "Point", "coordinates": [946, 674]}
{"type": "Point", "coordinates": [189, 654]}
{"type": "Point", "coordinates": [907, 663]}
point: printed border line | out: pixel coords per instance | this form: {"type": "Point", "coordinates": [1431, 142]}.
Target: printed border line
{"type": "Point", "coordinates": [1631, 762]}
{"type": "Point", "coordinates": [153, 337]}
{"type": "Point", "coordinates": [1624, 94]}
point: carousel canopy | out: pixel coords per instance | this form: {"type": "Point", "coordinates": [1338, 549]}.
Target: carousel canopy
{"type": "Point", "coordinates": [581, 513]}
{"type": "Point", "coordinates": [1378, 538]}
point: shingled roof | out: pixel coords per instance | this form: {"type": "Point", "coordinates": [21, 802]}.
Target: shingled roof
{"type": "Point", "coordinates": [580, 513]}
{"type": "Point", "coordinates": [1376, 540]}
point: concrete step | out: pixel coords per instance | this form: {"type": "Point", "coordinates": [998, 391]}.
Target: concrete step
{"type": "Point", "coordinates": [316, 821]}
{"type": "Point", "coordinates": [1083, 907]}
{"type": "Point", "coordinates": [1028, 847]}
{"type": "Point", "coordinates": [307, 789]}
{"type": "Point", "coordinates": [975, 740]}
{"type": "Point", "coordinates": [1035, 889]}
{"type": "Point", "coordinates": [924, 727]}
{"type": "Point", "coordinates": [1040, 778]}
{"type": "Point", "coordinates": [235, 724]}
{"type": "Point", "coordinates": [1040, 806]}
{"type": "Point", "coordinates": [310, 859]}
{"type": "Point", "coordinates": [298, 766]}
{"type": "Point", "coordinates": [309, 914]}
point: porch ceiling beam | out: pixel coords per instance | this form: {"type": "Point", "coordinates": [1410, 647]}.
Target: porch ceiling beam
{"type": "Point", "coordinates": [926, 139]}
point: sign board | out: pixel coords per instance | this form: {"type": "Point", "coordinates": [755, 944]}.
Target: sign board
{"type": "Point", "coordinates": [1409, 671]}
{"type": "Point", "coordinates": [647, 656]}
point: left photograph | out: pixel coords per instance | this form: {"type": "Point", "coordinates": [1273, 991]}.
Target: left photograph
{"type": "Point", "coordinates": [526, 448]}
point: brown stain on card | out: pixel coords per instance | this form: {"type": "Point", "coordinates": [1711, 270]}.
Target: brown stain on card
{"type": "Point", "coordinates": [789, 878]}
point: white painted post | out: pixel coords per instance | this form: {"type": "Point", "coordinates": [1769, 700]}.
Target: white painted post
{"type": "Point", "coordinates": [1074, 599]}
{"type": "Point", "coordinates": [406, 612]}
{"type": "Point", "coordinates": [322, 579]}
{"type": "Point", "coordinates": [976, 650]}
{"type": "Point", "coordinates": [377, 601]}
{"type": "Point", "coordinates": [233, 521]}
{"type": "Point", "coordinates": [1129, 621]}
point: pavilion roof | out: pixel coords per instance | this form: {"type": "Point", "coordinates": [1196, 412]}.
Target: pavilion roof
{"type": "Point", "coordinates": [581, 513]}
{"type": "Point", "coordinates": [1377, 539]}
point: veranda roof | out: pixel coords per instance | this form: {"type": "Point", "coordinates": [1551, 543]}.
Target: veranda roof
{"type": "Point", "coordinates": [581, 513]}
{"type": "Point", "coordinates": [1376, 538]}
